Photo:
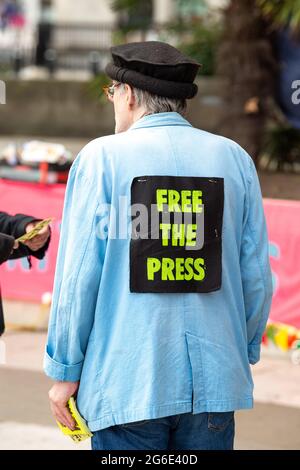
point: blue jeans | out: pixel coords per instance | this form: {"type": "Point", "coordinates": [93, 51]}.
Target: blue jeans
{"type": "Point", "coordinates": [203, 431]}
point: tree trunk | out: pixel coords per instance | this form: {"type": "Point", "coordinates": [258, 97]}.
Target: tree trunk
{"type": "Point", "coordinates": [246, 61]}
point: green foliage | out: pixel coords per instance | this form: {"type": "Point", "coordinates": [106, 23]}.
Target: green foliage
{"type": "Point", "coordinates": [125, 5]}
{"type": "Point", "coordinates": [195, 38]}
{"type": "Point", "coordinates": [199, 41]}
{"type": "Point", "coordinates": [95, 87]}
{"type": "Point", "coordinates": [119, 37]}
{"type": "Point", "coordinates": [282, 146]}
{"type": "Point", "coordinates": [191, 8]}
{"type": "Point", "coordinates": [134, 14]}
{"type": "Point", "coordinates": [282, 13]}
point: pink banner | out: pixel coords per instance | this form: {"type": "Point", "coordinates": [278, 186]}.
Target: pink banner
{"type": "Point", "coordinates": [283, 220]}
{"type": "Point", "coordinates": [42, 201]}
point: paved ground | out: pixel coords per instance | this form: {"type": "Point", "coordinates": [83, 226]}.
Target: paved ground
{"type": "Point", "coordinates": [26, 422]}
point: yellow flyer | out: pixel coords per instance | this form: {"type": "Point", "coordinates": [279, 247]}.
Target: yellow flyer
{"type": "Point", "coordinates": [30, 235]}
{"type": "Point", "coordinates": [81, 432]}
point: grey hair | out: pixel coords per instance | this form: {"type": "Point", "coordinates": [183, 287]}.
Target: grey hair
{"type": "Point", "coordinates": [158, 104]}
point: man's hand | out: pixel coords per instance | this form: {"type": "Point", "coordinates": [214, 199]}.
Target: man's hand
{"type": "Point", "coordinates": [59, 394]}
{"type": "Point", "coordinates": [39, 240]}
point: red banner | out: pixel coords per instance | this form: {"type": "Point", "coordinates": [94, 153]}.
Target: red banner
{"type": "Point", "coordinates": [43, 201]}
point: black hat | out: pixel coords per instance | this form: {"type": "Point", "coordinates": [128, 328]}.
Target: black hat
{"type": "Point", "coordinates": [156, 67]}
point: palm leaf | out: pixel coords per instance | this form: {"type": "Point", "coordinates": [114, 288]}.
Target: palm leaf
{"type": "Point", "coordinates": [282, 13]}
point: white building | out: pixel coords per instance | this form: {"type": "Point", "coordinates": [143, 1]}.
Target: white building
{"type": "Point", "coordinates": [100, 11]}
{"type": "Point", "coordinates": [88, 25]}
{"type": "Point", "coordinates": [91, 11]}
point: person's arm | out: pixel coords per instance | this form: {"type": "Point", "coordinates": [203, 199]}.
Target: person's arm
{"type": "Point", "coordinates": [77, 278]}
{"type": "Point", "coordinates": [16, 226]}
{"type": "Point", "coordinates": [255, 266]}
{"type": "Point", "coordinates": [35, 247]}
{"type": "Point", "coordinates": [6, 247]}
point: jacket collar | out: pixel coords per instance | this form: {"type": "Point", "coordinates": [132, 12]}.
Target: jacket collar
{"type": "Point", "coordinates": [160, 119]}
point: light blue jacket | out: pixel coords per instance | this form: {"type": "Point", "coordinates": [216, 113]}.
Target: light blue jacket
{"type": "Point", "coordinates": [147, 355]}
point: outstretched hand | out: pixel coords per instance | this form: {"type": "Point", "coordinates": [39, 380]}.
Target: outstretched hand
{"type": "Point", "coordinates": [39, 240]}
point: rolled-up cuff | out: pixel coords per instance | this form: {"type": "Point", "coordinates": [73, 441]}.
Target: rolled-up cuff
{"type": "Point", "coordinates": [62, 372]}
{"type": "Point", "coordinates": [254, 353]}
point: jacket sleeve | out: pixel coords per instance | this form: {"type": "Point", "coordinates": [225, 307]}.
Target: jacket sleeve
{"type": "Point", "coordinates": [255, 266]}
{"type": "Point", "coordinates": [14, 225]}
{"type": "Point", "coordinates": [24, 250]}
{"type": "Point", "coordinates": [6, 246]}
{"type": "Point", "coordinates": [77, 278]}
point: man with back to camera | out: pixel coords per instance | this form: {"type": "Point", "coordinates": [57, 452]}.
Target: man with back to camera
{"type": "Point", "coordinates": [155, 331]}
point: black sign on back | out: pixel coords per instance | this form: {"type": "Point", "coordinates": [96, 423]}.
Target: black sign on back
{"type": "Point", "coordinates": [176, 240]}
